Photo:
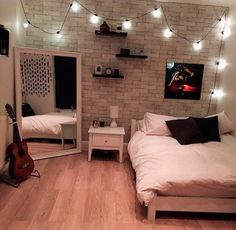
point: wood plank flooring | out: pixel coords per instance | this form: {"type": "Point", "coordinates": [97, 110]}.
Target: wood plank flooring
{"type": "Point", "coordinates": [73, 193]}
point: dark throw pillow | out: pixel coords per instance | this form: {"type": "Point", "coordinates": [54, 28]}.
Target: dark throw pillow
{"type": "Point", "coordinates": [185, 131]}
{"type": "Point", "coordinates": [27, 110]}
{"type": "Point", "coordinates": [209, 128]}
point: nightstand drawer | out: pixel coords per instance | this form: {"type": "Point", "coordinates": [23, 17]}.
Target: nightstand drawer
{"type": "Point", "coordinates": [106, 140]}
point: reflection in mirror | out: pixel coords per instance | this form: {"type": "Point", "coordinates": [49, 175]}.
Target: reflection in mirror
{"type": "Point", "coordinates": [49, 102]}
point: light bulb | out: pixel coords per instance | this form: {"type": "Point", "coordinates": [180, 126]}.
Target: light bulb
{"type": "Point", "coordinates": [218, 93]}
{"type": "Point", "coordinates": [156, 13]}
{"type": "Point", "coordinates": [222, 22]}
{"type": "Point", "coordinates": [197, 45]}
{"type": "Point", "coordinates": [75, 6]}
{"type": "Point", "coordinates": [59, 35]}
{"type": "Point", "coordinates": [26, 25]}
{"type": "Point", "coordinates": [94, 19]}
{"type": "Point", "coordinates": [226, 33]}
{"type": "Point", "coordinates": [221, 64]}
{"type": "Point", "coordinates": [167, 33]}
{"type": "Point", "coordinates": [127, 24]}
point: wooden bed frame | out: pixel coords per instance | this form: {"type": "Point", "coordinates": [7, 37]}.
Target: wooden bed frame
{"type": "Point", "coordinates": [184, 203]}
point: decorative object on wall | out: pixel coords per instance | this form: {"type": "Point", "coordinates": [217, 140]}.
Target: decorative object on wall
{"type": "Point", "coordinates": [4, 41]}
{"type": "Point", "coordinates": [156, 12]}
{"type": "Point", "coordinates": [98, 69]}
{"type": "Point", "coordinates": [36, 73]}
{"type": "Point", "coordinates": [183, 81]}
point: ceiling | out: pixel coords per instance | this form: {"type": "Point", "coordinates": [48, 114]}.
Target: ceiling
{"type": "Point", "coordinates": [206, 2]}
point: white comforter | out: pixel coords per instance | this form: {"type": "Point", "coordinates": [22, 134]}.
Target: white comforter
{"type": "Point", "coordinates": [164, 166]}
{"type": "Point", "coordinates": [46, 125]}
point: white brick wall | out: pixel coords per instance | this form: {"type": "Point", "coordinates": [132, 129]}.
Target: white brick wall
{"type": "Point", "coordinates": [142, 89]}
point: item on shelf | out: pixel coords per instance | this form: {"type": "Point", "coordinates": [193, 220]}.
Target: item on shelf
{"type": "Point", "coordinates": [116, 72]}
{"type": "Point", "coordinates": [98, 69]}
{"type": "Point", "coordinates": [119, 28]}
{"type": "Point", "coordinates": [104, 28]}
{"type": "Point", "coordinates": [125, 51]}
{"type": "Point", "coordinates": [108, 71]}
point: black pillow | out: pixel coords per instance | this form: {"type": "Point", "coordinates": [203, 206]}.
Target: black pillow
{"type": "Point", "coordinates": [209, 128]}
{"type": "Point", "coordinates": [27, 110]}
{"type": "Point", "coordinates": [185, 131]}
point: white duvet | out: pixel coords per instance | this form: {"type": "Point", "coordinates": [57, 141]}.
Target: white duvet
{"type": "Point", "coordinates": [46, 125]}
{"type": "Point", "coordinates": [164, 166]}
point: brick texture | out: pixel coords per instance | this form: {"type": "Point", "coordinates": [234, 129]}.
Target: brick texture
{"type": "Point", "coordinates": [142, 89]}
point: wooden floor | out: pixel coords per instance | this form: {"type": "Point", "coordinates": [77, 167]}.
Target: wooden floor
{"type": "Point", "coordinates": [37, 148]}
{"type": "Point", "coordinates": [76, 194]}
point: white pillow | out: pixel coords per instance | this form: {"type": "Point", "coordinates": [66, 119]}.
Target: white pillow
{"type": "Point", "coordinates": [155, 124]}
{"type": "Point", "coordinates": [140, 125]}
{"type": "Point", "coordinates": [225, 124]}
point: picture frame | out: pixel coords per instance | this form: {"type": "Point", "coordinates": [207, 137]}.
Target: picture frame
{"type": "Point", "coordinates": [183, 80]}
{"type": "Point", "coordinates": [98, 69]}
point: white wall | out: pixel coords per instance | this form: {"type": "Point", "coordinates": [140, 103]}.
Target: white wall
{"type": "Point", "coordinates": [228, 75]}
{"type": "Point", "coordinates": [10, 14]}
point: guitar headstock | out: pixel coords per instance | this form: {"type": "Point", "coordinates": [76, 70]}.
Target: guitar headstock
{"type": "Point", "coordinates": [10, 112]}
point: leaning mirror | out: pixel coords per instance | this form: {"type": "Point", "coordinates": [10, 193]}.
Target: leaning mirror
{"type": "Point", "coordinates": [48, 101]}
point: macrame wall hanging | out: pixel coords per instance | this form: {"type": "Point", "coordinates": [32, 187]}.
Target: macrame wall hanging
{"type": "Point", "coordinates": [36, 74]}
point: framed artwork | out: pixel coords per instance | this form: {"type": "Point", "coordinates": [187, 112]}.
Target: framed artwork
{"type": "Point", "coordinates": [183, 80]}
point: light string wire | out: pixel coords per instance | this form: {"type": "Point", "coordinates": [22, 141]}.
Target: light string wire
{"type": "Point", "coordinates": [41, 29]}
{"type": "Point", "coordinates": [217, 69]}
{"type": "Point", "coordinates": [130, 19]}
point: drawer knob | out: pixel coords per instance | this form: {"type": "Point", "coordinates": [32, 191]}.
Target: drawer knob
{"type": "Point", "coordinates": [105, 141]}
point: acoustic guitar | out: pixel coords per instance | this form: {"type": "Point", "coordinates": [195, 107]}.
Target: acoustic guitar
{"type": "Point", "coordinates": [21, 165]}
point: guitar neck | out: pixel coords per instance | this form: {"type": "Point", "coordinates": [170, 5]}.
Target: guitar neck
{"type": "Point", "coordinates": [16, 134]}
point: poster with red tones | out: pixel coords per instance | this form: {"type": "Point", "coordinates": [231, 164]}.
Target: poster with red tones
{"type": "Point", "coordinates": [183, 80]}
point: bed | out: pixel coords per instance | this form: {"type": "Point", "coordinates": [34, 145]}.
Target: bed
{"type": "Point", "coordinates": [173, 177]}
{"type": "Point", "coordinates": [47, 125]}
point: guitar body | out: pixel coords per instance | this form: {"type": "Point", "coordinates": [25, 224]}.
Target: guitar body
{"type": "Point", "coordinates": [21, 165]}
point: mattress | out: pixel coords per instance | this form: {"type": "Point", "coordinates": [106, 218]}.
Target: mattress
{"type": "Point", "coordinates": [46, 125]}
{"type": "Point", "coordinates": [165, 167]}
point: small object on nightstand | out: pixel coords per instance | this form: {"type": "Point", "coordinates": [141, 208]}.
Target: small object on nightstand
{"type": "Point", "coordinates": [114, 113]}
{"type": "Point", "coordinates": [125, 51]}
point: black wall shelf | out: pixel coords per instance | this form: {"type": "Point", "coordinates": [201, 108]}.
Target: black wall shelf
{"type": "Point", "coordinates": [108, 76]}
{"type": "Point", "coordinates": [111, 33]}
{"type": "Point", "coordinates": [132, 56]}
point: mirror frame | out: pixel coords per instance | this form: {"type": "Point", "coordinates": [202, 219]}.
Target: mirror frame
{"type": "Point", "coordinates": [18, 95]}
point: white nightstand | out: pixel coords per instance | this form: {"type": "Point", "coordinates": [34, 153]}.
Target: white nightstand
{"type": "Point", "coordinates": [106, 138]}
{"type": "Point", "coordinates": [69, 131]}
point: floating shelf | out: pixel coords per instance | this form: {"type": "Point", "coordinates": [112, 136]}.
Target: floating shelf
{"type": "Point", "coordinates": [111, 33]}
{"type": "Point", "coordinates": [132, 56]}
{"type": "Point", "coordinates": [108, 76]}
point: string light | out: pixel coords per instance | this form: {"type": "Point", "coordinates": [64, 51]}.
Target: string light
{"type": "Point", "coordinates": [218, 93]}
{"type": "Point", "coordinates": [168, 32]}
{"type": "Point", "coordinates": [197, 45]}
{"type": "Point", "coordinates": [75, 7]}
{"type": "Point", "coordinates": [26, 25]}
{"type": "Point", "coordinates": [157, 12]}
{"type": "Point", "coordinates": [127, 24]}
{"type": "Point", "coordinates": [94, 18]}
{"type": "Point", "coordinates": [221, 64]}
{"type": "Point", "coordinates": [59, 34]}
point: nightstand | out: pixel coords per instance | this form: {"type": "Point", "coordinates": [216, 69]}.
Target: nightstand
{"type": "Point", "coordinates": [106, 138]}
{"type": "Point", "coordinates": [69, 131]}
